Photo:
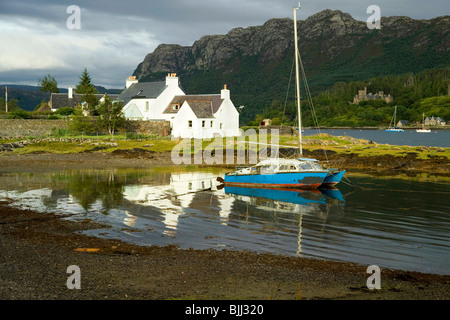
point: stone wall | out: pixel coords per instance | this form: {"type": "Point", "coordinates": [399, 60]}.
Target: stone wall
{"type": "Point", "coordinates": [161, 128]}
{"type": "Point", "coordinates": [24, 128]}
{"type": "Point", "coordinates": [30, 127]}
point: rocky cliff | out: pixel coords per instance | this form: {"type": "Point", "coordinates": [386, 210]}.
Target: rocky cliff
{"type": "Point", "coordinates": [256, 61]}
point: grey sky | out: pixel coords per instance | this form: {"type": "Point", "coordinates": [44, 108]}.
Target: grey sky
{"type": "Point", "coordinates": [116, 35]}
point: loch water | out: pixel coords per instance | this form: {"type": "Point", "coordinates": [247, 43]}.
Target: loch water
{"type": "Point", "coordinates": [399, 222]}
{"type": "Point", "coordinates": [435, 138]}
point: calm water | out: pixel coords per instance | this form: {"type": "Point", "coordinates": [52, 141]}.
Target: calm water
{"type": "Point", "coordinates": [436, 138]}
{"type": "Point", "coordinates": [395, 222]}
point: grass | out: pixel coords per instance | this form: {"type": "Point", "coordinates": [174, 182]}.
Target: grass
{"type": "Point", "coordinates": [328, 137]}
{"type": "Point", "coordinates": [344, 146]}
{"type": "Point", "coordinates": [383, 150]}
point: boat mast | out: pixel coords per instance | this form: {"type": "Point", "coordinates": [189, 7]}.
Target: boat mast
{"type": "Point", "coordinates": [297, 84]}
{"type": "Point", "coordinates": [395, 114]}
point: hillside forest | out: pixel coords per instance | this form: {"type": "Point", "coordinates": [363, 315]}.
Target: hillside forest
{"type": "Point", "coordinates": [426, 93]}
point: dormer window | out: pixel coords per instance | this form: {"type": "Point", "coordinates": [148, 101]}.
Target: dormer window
{"type": "Point", "coordinates": [175, 106]}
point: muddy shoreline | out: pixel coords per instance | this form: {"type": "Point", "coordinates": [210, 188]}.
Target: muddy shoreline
{"type": "Point", "coordinates": [37, 248]}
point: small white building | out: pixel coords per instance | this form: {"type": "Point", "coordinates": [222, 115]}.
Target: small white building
{"type": "Point", "coordinates": [190, 116]}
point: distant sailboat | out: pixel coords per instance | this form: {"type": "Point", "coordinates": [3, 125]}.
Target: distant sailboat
{"type": "Point", "coordinates": [423, 130]}
{"type": "Point", "coordinates": [303, 173]}
{"type": "Point", "coordinates": [392, 127]}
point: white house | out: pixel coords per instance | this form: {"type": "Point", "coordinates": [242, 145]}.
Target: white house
{"type": "Point", "coordinates": [203, 116]}
{"type": "Point", "coordinates": [190, 116]}
{"type": "Point", "coordinates": [147, 100]}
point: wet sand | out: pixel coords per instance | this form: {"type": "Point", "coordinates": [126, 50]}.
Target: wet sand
{"type": "Point", "coordinates": [36, 249]}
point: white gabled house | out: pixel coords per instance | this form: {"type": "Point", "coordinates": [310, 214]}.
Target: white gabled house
{"type": "Point", "coordinates": [203, 116]}
{"type": "Point", "coordinates": [147, 100]}
{"type": "Point", "coordinates": [190, 116]}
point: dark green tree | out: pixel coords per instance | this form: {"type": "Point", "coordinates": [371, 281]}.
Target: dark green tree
{"type": "Point", "coordinates": [85, 85]}
{"type": "Point", "coordinates": [48, 84]}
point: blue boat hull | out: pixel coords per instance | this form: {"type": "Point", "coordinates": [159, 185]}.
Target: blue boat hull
{"type": "Point", "coordinates": [394, 130]}
{"type": "Point", "coordinates": [302, 180]}
{"type": "Point", "coordinates": [333, 178]}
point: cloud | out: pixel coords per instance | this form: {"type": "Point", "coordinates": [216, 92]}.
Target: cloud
{"type": "Point", "coordinates": [116, 35]}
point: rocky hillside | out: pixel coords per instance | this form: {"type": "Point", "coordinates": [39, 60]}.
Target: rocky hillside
{"type": "Point", "coordinates": [256, 62]}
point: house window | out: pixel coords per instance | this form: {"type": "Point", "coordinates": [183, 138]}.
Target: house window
{"type": "Point", "coordinates": [190, 123]}
{"type": "Point", "coordinates": [146, 106]}
{"type": "Point", "coordinates": [203, 123]}
{"type": "Point", "coordinates": [211, 123]}
{"type": "Point", "coordinates": [175, 106]}
{"type": "Point", "coordinates": [221, 126]}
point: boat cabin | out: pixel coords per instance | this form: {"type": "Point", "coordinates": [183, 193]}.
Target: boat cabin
{"type": "Point", "coordinates": [272, 166]}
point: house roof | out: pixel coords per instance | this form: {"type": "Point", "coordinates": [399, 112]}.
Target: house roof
{"type": "Point", "coordinates": [204, 106]}
{"type": "Point", "coordinates": [60, 100]}
{"type": "Point", "coordinates": [142, 90]}
{"type": "Point", "coordinates": [201, 109]}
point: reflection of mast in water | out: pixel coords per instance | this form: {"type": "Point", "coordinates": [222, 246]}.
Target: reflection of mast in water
{"type": "Point", "coordinates": [299, 238]}
{"type": "Point", "coordinates": [289, 201]}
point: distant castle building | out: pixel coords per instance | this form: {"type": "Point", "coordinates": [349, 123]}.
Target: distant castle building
{"type": "Point", "coordinates": [363, 96]}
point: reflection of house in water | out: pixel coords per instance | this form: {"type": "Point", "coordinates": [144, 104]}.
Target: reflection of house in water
{"type": "Point", "coordinates": [173, 200]}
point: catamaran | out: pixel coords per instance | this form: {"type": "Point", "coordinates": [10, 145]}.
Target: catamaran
{"type": "Point", "coordinates": [303, 173]}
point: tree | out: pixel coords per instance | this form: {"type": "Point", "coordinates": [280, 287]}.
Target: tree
{"type": "Point", "coordinates": [12, 104]}
{"type": "Point", "coordinates": [48, 84]}
{"type": "Point", "coordinates": [111, 116]}
{"type": "Point", "coordinates": [79, 122]}
{"type": "Point", "coordinates": [85, 85]}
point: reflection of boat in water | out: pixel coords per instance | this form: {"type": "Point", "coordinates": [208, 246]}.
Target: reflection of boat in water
{"type": "Point", "coordinates": [302, 197]}
{"type": "Point", "coordinates": [333, 193]}
{"type": "Point", "coordinates": [289, 201]}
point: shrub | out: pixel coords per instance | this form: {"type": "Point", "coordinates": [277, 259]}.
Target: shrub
{"type": "Point", "coordinates": [19, 114]}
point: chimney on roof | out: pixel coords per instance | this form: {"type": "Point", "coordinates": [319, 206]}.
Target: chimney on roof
{"type": "Point", "coordinates": [225, 93]}
{"type": "Point", "coordinates": [172, 79]}
{"type": "Point", "coordinates": [70, 93]}
{"type": "Point", "coordinates": [130, 81]}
